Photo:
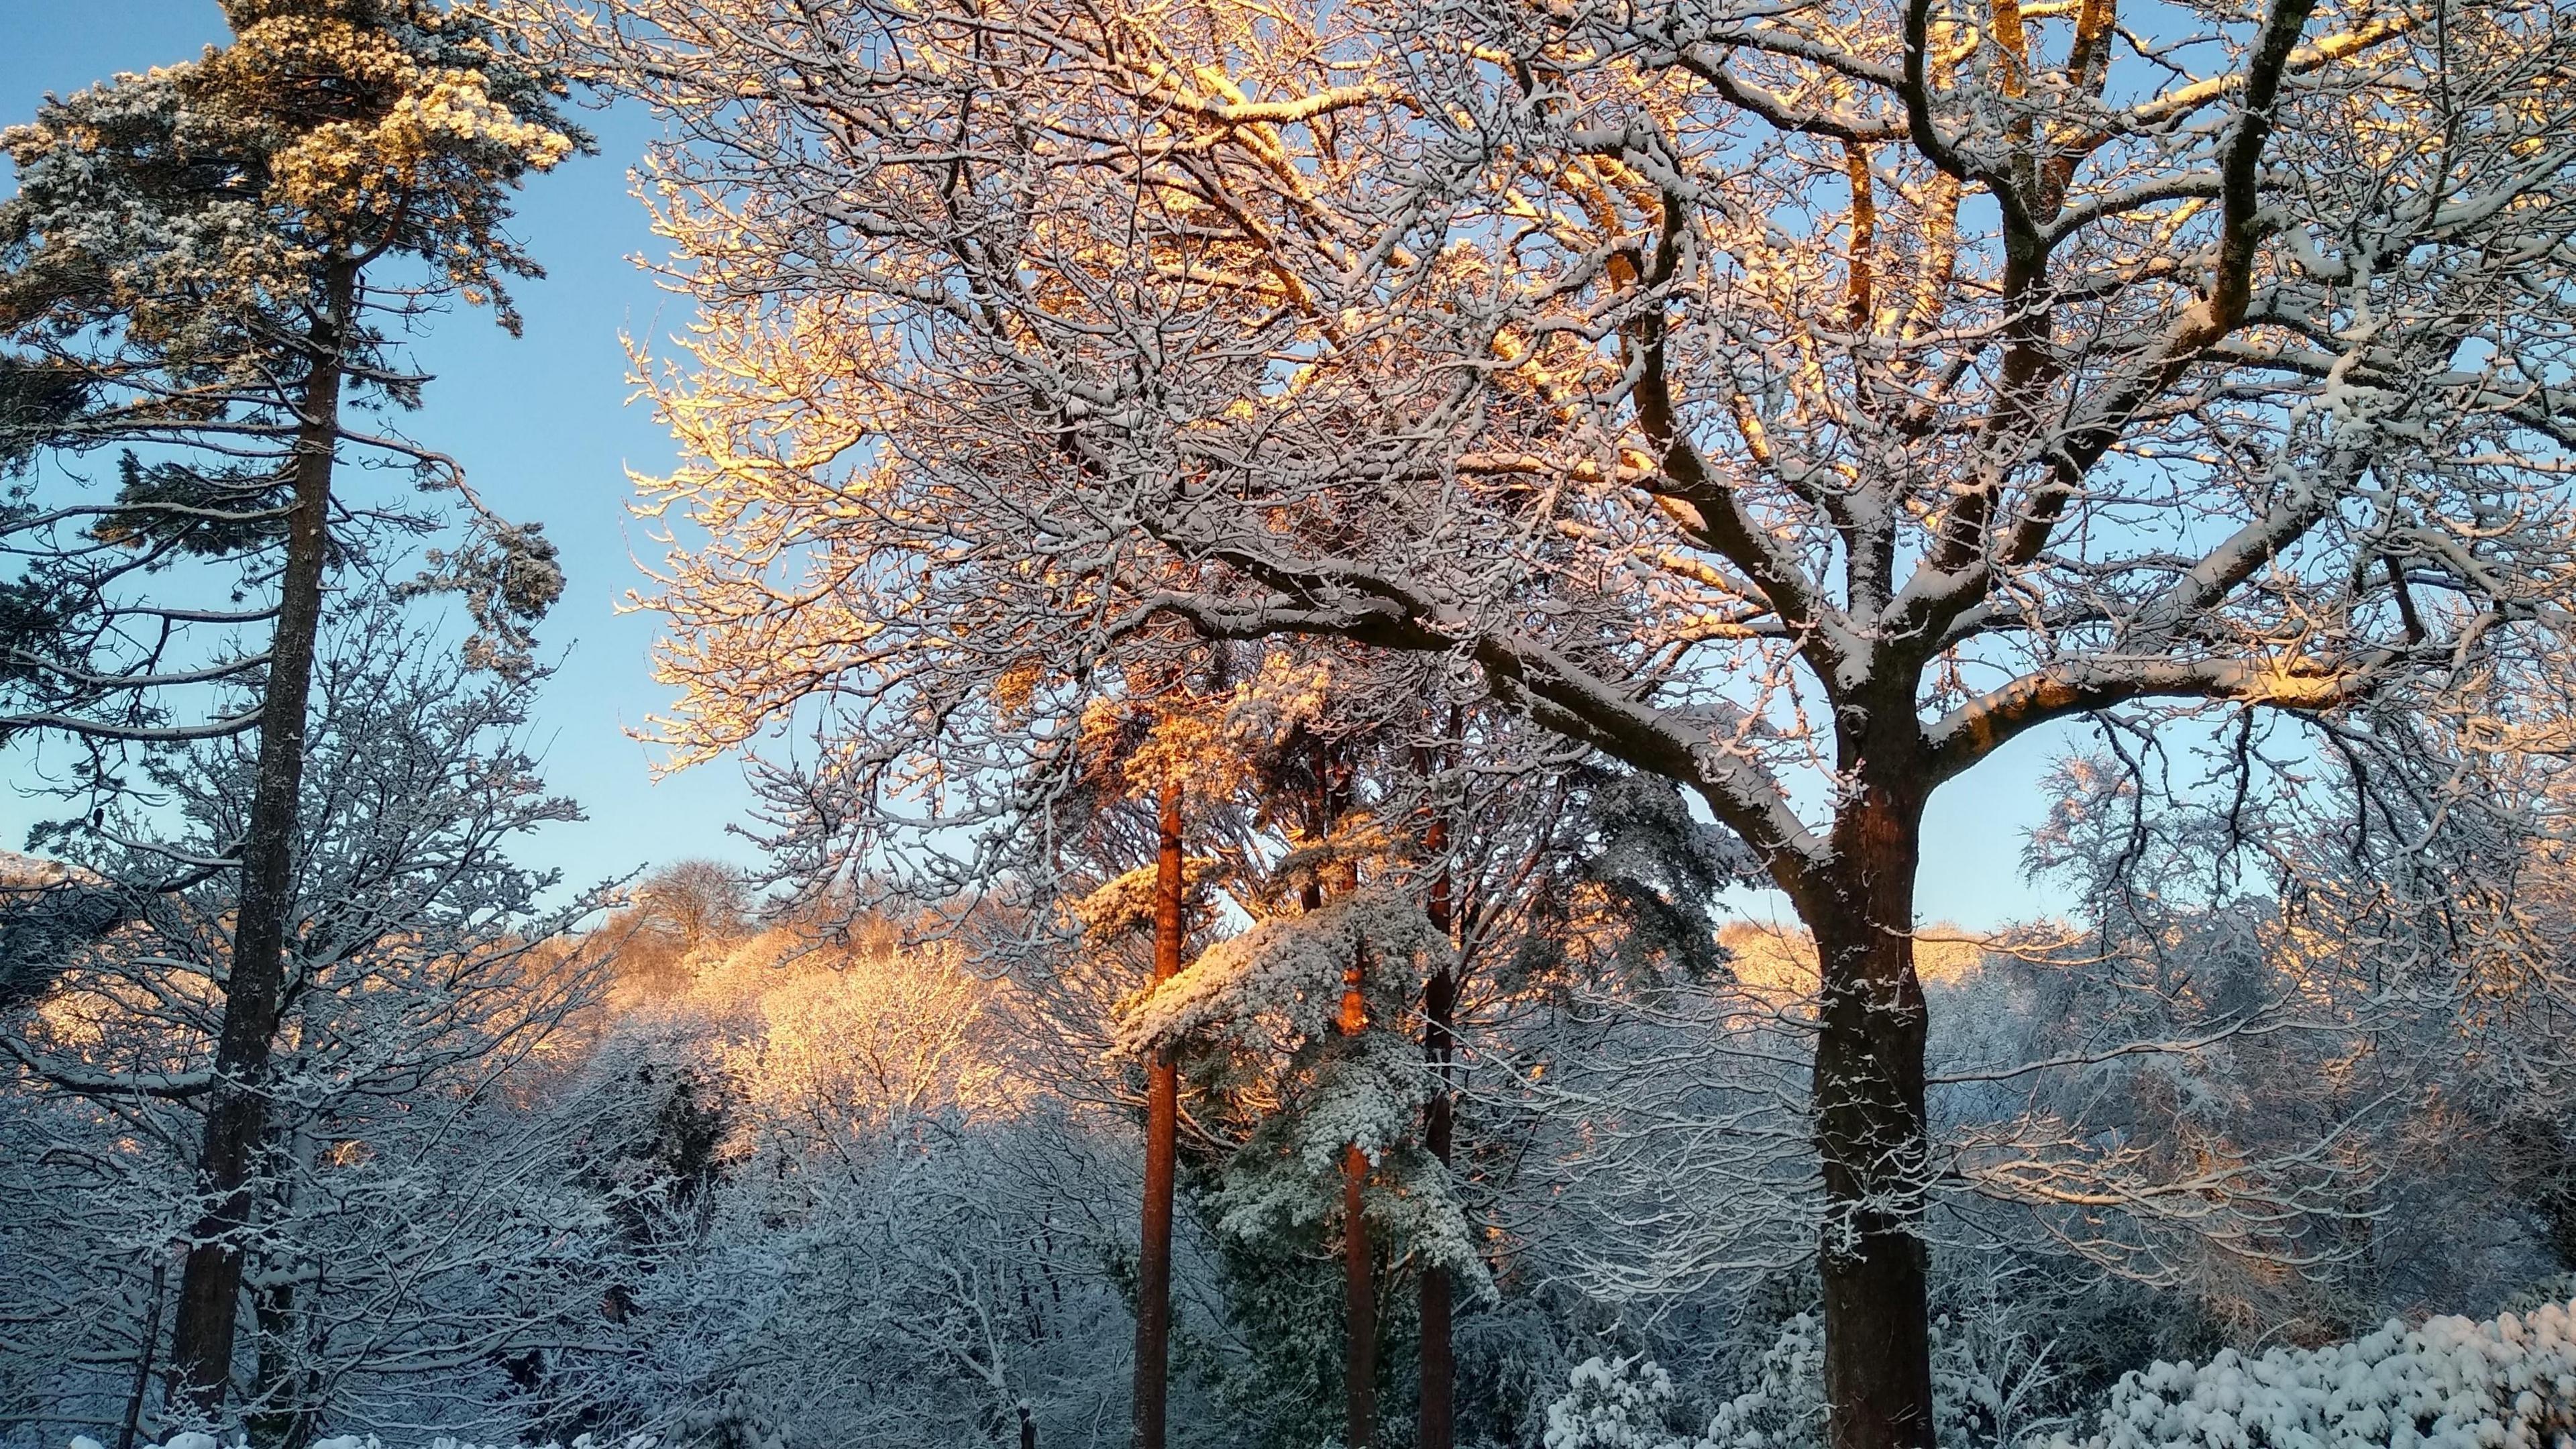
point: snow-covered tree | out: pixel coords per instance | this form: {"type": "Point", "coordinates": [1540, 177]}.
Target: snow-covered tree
{"type": "Point", "coordinates": [2378, 990]}
{"type": "Point", "coordinates": [412, 1226]}
{"type": "Point", "coordinates": [1801, 405]}
{"type": "Point", "coordinates": [677, 916]}
{"type": "Point", "coordinates": [205, 271]}
{"type": "Point", "coordinates": [1270, 776]}
{"type": "Point", "coordinates": [889, 1224]}
{"type": "Point", "coordinates": [1497, 881]}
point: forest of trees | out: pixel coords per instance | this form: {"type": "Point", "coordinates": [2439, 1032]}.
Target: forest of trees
{"type": "Point", "coordinates": [1345, 620]}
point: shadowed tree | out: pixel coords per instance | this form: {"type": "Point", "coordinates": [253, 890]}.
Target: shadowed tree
{"type": "Point", "coordinates": [209, 267]}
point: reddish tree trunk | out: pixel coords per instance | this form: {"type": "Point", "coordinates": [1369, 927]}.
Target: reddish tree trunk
{"type": "Point", "coordinates": [1870, 1123]}
{"type": "Point", "coordinates": [1359, 1291]}
{"type": "Point", "coordinates": [1359, 1302]}
{"type": "Point", "coordinates": [1162, 1143]}
{"type": "Point", "coordinates": [210, 1281]}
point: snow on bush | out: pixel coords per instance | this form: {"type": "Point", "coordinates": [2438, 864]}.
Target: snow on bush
{"type": "Point", "coordinates": [1628, 1403]}
{"type": "Point", "coordinates": [1785, 1407]}
{"type": "Point", "coordinates": [1619, 1403]}
{"type": "Point", "coordinates": [195, 1440]}
{"type": "Point", "coordinates": [1623, 1403]}
{"type": "Point", "coordinates": [2506, 1383]}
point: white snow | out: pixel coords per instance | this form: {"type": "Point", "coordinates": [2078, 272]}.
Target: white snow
{"type": "Point", "coordinates": [2507, 1382]}
{"type": "Point", "coordinates": [192, 1439]}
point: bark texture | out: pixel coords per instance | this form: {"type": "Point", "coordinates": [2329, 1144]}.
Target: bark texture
{"type": "Point", "coordinates": [1359, 1287]}
{"type": "Point", "coordinates": [1870, 1123]}
{"type": "Point", "coordinates": [1359, 1302]}
{"type": "Point", "coordinates": [1435, 1428]}
{"type": "Point", "coordinates": [210, 1281]}
{"type": "Point", "coordinates": [1162, 1141]}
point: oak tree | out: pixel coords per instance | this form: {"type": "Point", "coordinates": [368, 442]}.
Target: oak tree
{"type": "Point", "coordinates": [1799, 404]}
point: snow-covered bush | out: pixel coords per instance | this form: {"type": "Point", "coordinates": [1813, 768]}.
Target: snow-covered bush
{"type": "Point", "coordinates": [1626, 1403]}
{"type": "Point", "coordinates": [1614, 1403]}
{"type": "Point", "coordinates": [1784, 1408]}
{"type": "Point", "coordinates": [1989, 1385]}
{"type": "Point", "coordinates": [2508, 1382]}
{"type": "Point", "coordinates": [194, 1440]}
{"type": "Point", "coordinates": [2505, 1383]}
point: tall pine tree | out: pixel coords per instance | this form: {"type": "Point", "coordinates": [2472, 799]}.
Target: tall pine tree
{"type": "Point", "coordinates": [201, 276]}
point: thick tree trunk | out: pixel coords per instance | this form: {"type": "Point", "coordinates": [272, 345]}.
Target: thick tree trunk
{"type": "Point", "coordinates": [210, 1281]}
{"type": "Point", "coordinates": [1162, 1144]}
{"type": "Point", "coordinates": [1435, 1428]}
{"type": "Point", "coordinates": [1870, 1124]}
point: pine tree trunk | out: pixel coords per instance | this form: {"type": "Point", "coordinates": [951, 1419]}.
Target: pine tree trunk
{"type": "Point", "coordinates": [1359, 1291]}
{"type": "Point", "coordinates": [1870, 1124]}
{"type": "Point", "coordinates": [1435, 1427]}
{"type": "Point", "coordinates": [210, 1281]}
{"type": "Point", "coordinates": [1359, 1302]}
{"type": "Point", "coordinates": [1162, 1145]}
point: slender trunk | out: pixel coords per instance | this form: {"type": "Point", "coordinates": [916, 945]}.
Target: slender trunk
{"type": "Point", "coordinates": [1870, 1125]}
{"type": "Point", "coordinates": [1359, 1292]}
{"type": "Point", "coordinates": [274, 1414]}
{"type": "Point", "coordinates": [1162, 1142]}
{"type": "Point", "coordinates": [1435, 1427]}
{"type": "Point", "coordinates": [1359, 1303]}
{"type": "Point", "coordinates": [210, 1281]}
{"type": "Point", "coordinates": [143, 1361]}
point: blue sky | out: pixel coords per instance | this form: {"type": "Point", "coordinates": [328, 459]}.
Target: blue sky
{"type": "Point", "coordinates": [541, 424]}
{"type": "Point", "coordinates": [543, 428]}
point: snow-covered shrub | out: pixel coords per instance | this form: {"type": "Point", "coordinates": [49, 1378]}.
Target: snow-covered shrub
{"type": "Point", "coordinates": [1785, 1407]}
{"type": "Point", "coordinates": [2505, 1383]}
{"type": "Point", "coordinates": [1628, 1403]}
{"type": "Point", "coordinates": [2508, 1382]}
{"type": "Point", "coordinates": [195, 1440]}
{"type": "Point", "coordinates": [1614, 1403]}
{"type": "Point", "coordinates": [1986, 1376]}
